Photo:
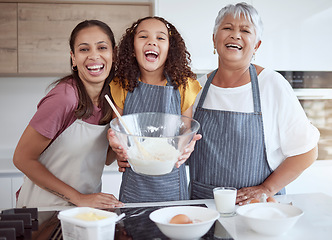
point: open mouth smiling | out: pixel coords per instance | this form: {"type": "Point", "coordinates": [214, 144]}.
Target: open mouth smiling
{"type": "Point", "coordinates": [95, 68]}
{"type": "Point", "coordinates": [230, 45]}
{"type": "Point", "coordinates": [151, 55]}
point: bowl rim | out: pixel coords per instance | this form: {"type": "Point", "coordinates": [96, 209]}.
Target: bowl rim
{"type": "Point", "coordinates": [272, 205]}
{"type": "Point", "coordinates": [152, 113]}
{"type": "Point", "coordinates": [187, 207]}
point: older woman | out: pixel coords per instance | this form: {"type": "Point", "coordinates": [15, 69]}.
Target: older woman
{"type": "Point", "coordinates": [256, 136]}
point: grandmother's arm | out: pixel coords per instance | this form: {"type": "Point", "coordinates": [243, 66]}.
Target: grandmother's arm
{"type": "Point", "coordinates": [288, 171]}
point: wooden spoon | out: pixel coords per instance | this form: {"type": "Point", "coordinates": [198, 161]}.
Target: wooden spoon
{"type": "Point", "coordinates": [139, 146]}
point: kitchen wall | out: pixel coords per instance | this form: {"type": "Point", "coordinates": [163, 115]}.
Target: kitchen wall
{"type": "Point", "coordinates": [293, 38]}
{"type": "Point", "coordinates": [296, 37]}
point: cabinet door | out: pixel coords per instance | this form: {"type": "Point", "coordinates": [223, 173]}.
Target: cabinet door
{"type": "Point", "coordinates": [16, 184]}
{"type": "Point", "coordinates": [44, 30]}
{"type": "Point", "coordinates": [8, 38]}
{"type": "Point", "coordinates": [6, 191]}
{"type": "Point", "coordinates": [111, 182]}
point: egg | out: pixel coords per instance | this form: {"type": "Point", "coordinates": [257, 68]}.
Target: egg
{"type": "Point", "coordinates": [180, 219]}
{"type": "Point", "coordinates": [271, 199]}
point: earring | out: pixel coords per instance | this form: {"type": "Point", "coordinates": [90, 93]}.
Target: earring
{"type": "Point", "coordinates": [254, 56]}
{"type": "Point", "coordinates": [214, 51]}
{"type": "Point", "coordinates": [74, 68]}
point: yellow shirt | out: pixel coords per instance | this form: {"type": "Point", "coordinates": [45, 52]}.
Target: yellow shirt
{"type": "Point", "coordinates": [188, 95]}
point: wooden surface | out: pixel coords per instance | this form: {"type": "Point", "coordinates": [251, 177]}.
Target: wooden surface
{"type": "Point", "coordinates": [8, 37]}
{"type": "Point", "coordinates": [44, 29]}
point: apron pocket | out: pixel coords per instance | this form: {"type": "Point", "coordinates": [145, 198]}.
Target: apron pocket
{"type": "Point", "coordinates": [201, 190]}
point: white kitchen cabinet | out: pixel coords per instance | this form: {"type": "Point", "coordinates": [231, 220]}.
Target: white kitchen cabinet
{"type": "Point", "coordinates": [6, 191]}
{"type": "Point", "coordinates": [16, 184]}
{"type": "Point", "coordinates": [10, 181]}
{"type": "Point", "coordinates": [316, 178]}
{"type": "Point", "coordinates": [8, 188]}
{"type": "Point", "coordinates": [111, 181]}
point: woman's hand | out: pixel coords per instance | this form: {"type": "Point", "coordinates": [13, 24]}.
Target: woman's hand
{"type": "Point", "coordinates": [98, 200]}
{"type": "Point", "coordinates": [188, 150]}
{"type": "Point", "coordinates": [245, 195]}
{"type": "Point", "coordinates": [121, 153]}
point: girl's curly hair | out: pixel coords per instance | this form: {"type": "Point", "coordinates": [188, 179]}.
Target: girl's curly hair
{"type": "Point", "coordinates": [176, 65]}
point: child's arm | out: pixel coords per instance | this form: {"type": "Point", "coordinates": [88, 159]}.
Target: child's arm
{"type": "Point", "coordinates": [190, 147]}
{"type": "Point", "coordinates": [120, 153]}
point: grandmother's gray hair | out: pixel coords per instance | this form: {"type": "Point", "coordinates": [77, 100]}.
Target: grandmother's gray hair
{"type": "Point", "coordinates": [248, 11]}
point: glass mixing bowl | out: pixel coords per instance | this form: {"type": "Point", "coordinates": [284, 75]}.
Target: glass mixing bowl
{"type": "Point", "coordinates": [154, 141]}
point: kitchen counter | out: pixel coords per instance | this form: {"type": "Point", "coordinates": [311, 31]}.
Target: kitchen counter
{"type": "Point", "coordinates": [316, 223]}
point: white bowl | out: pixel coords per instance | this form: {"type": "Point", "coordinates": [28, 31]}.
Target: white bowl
{"type": "Point", "coordinates": [203, 220]}
{"type": "Point", "coordinates": [270, 218]}
{"type": "Point", "coordinates": [154, 141]}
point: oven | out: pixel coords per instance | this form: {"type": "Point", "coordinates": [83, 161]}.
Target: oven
{"type": "Point", "coordinates": [314, 90]}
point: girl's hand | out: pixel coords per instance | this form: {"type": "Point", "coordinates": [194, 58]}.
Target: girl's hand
{"type": "Point", "coordinates": [123, 164]}
{"type": "Point", "coordinates": [115, 144]}
{"type": "Point", "coordinates": [121, 153]}
{"type": "Point", "coordinates": [98, 200]}
{"type": "Point", "coordinates": [188, 150]}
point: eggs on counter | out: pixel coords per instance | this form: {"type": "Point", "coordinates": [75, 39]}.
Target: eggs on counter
{"type": "Point", "coordinates": [269, 199]}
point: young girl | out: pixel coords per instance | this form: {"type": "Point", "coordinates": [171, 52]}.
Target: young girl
{"type": "Point", "coordinates": [153, 75]}
{"type": "Point", "coordinates": [64, 148]}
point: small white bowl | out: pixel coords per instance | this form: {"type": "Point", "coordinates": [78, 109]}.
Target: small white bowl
{"type": "Point", "coordinates": [270, 218]}
{"type": "Point", "coordinates": [203, 220]}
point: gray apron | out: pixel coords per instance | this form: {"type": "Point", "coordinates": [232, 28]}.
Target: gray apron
{"type": "Point", "coordinates": [169, 187]}
{"type": "Point", "coordinates": [232, 150]}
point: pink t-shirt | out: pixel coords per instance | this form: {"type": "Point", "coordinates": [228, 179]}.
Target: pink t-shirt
{"type": "Point", "coordinates": [55, 112]}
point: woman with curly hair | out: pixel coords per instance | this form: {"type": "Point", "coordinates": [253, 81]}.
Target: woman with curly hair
{"type": "Point", "coordinates": [153, 75]}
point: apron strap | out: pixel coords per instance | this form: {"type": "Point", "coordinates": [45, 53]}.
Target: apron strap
{"type": "Point", "coordinates": [206, 88]}
{"type": "Point", "coordinates": [255, 88]}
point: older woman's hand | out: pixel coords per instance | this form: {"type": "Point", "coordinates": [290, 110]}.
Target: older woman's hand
{"type": "Point", "coordinates": [121, 153]}
{"type": "Point", "coordinates": [188, 150]}
{"type": "Point", "coordinates": [245, 195]}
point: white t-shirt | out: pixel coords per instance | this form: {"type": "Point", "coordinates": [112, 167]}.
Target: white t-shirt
{"type": "Point", "coordinates": [287, 130]}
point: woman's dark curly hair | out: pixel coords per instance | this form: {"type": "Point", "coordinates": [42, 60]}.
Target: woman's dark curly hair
{"type": "Point", "coordinates": [177, 62]}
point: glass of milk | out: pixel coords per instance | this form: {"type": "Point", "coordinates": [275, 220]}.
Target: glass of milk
{"type": "Point", "coordinates": [225, 199]}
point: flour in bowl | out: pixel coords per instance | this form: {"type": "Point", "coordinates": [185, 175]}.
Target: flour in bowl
{"type": "Point", "coordinates": [160, 159]}
{"type": "Point", "coordinates": [266, 213]}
